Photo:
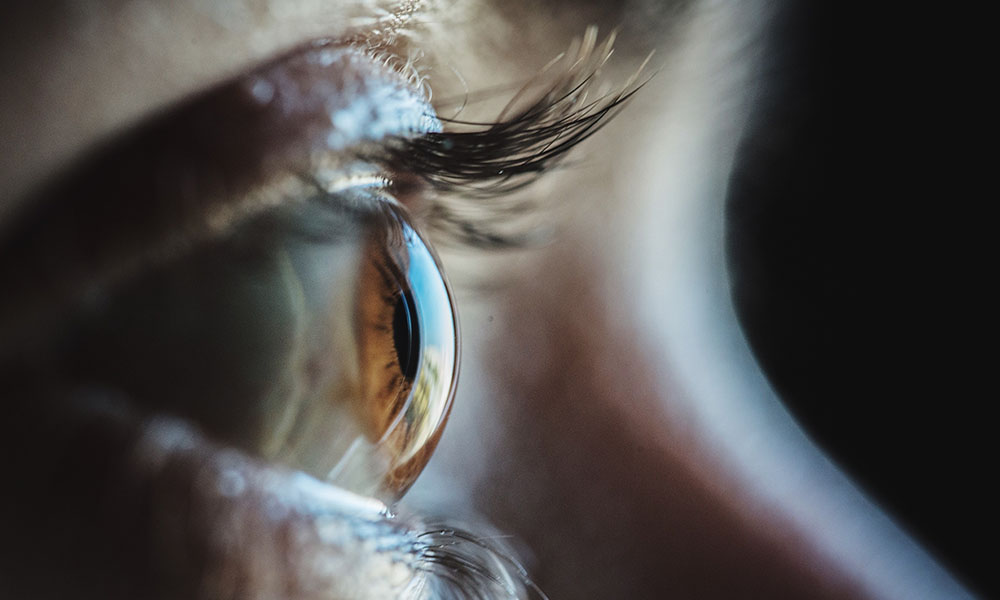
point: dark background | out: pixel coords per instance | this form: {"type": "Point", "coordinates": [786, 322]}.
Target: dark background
{"type": "Point", "coordinates": [854, 227]}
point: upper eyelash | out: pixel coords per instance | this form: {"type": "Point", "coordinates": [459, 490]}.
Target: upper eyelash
{"type": "Point", "coordinates": [473, 167]}
{"type": "Point", "coordinates": [480, 161]}
{"type": "Point", "coordinates": [469, 162]}
{"type": "Point", "coordinates": [491, 159]}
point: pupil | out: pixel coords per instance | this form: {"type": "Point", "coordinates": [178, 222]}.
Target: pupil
{"type": "Point", "coordinates": [406, 335]}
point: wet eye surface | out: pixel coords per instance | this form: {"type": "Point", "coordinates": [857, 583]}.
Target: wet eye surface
{"type": "Point", "coordinates": [336, 355]}
{"type": "Point", "coordinates": [237, 264]}
{"type": "Point", "coordinates": [375, 429]}
{"type": "Point", "coordinates": [409, 347]}
{"type": "Point", "coordinates": [240, 261]}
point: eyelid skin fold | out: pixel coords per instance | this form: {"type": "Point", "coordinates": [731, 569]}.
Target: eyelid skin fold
{"type": "Point", "coordinates": [140, 57]}
{"type": "Point", "coordinates": [281, 134]}
{"type": "Point", "coordinates": [197, 172]}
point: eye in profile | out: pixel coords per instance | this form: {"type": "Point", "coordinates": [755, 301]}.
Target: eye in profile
{"type": "Point", "coordinates": [409, 394]}
{"type": "Point", "coordinates": [237, 264]}
{"type": "Point", "coordinates": [240, 262]}
{"type": "Point", "coordinates": [407, 351]}
{"type": "Point", "coordinates": [236, 279]}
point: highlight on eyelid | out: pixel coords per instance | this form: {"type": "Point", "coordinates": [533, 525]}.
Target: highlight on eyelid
{"type": "Point", "coordinates": [200, 171]}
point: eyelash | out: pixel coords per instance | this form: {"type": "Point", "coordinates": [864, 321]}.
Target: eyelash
{"type": "Point", "coordinates": [471, 168]}
{"type": "Point", "coordinates": [463, 565]}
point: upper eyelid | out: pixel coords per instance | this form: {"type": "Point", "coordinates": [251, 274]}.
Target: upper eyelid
{"type": "Point", "coordinates": [197, 171]}
{"type": "Point", "coordinates": [318, 101]}
{"type": "Point", "coordinates": [77, 73]}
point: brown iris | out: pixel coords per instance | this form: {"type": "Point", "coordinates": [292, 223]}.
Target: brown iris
{"type": "Point", "coordinates": [407, 344]}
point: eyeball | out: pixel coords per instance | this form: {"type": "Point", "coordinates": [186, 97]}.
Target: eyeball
{"type": "Point", "coordinates": [373, 425]}
{"type": "Point", "coordinates": [322, 337]}
{"type": "Point", "coordinates": [408, 347]}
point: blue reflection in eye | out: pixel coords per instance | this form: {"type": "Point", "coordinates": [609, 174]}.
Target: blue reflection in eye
{"type": "Point", "coordinates": [229, 294]}
{"type": "Point", "coordinates": [407, 344]}
{"type": "Point", "coordinates": [437, 370]}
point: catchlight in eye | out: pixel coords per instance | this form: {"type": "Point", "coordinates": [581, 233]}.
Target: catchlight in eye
{"type": "Point", "coordinates": [375, 386]}
{"type": "Point", "coordinates": [238, 264]}
{"type": "Point", "coordinates": [408, 344]}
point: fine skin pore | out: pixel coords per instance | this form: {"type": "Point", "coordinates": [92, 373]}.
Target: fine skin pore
{"type": "Point", "coordinates": [629, 451]}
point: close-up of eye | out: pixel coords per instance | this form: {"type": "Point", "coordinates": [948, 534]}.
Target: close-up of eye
{"type": "Point", "coordinates": [340, 300]}
{"type": "Point", "coordinates": [280, 298]}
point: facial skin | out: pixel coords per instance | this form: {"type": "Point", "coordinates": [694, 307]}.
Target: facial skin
{"type": "Point", "coordinates": [610, 416]}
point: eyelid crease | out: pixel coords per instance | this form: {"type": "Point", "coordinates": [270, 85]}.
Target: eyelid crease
{"type": "Point", "coordinates": [140, 58]}
{"type": "Point", "coordinates": [195, 173]}
{"type": "Point", "coordinates": [383, 30]}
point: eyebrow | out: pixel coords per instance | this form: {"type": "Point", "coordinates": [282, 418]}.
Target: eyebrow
{"type": "Point", "coordinates": [75, 73]}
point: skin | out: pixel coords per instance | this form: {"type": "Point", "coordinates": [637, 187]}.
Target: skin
{"type": "Point", "coordinates": [634, 451]}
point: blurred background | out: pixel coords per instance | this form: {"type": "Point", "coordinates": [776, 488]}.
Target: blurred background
{"type": "Point", "coordinates": [857, 272]}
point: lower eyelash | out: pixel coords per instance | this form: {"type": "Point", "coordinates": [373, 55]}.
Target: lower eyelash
{"type": "Point", "coordinates": [462, 565]}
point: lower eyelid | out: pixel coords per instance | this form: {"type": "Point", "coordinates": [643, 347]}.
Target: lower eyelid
{"type": "Point", "coordinates": [198, 518]}
{"type": "Point", "coordinates": [184, 517]}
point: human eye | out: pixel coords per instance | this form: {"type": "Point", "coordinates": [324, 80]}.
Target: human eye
{"type": "Point", "coordinates": [197, 372]}
{"type": "Point", "coordinates": [239, 283]}
{"type": "Point", "coordinates": [201, 268]}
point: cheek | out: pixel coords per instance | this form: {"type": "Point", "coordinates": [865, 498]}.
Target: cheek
{"type": "Point", "coordinates": [591, 456]}
{"type": "Point", "coordinates": [582, 427]}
